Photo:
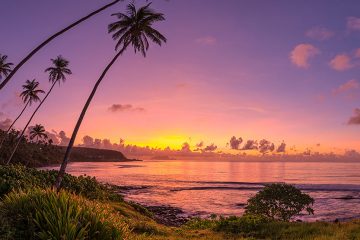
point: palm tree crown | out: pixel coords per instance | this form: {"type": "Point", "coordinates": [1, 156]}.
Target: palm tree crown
{"type": "Point", "coordinates": [5, 68]}
{"type": "Point", "coordinates": [31, 91]}
{"type": "Point", "coordinates": [136, 27]}
{"type": "Point", "coordinates": [59, 70]}
{"type": "Point", "coordinates": [38, 131]}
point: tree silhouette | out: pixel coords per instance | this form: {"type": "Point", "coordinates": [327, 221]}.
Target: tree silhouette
{"type": "Point", "coordinates": [133, 28]}
{"type": "Point", "coordinates": [5, 67]}
{"type": "Point", "coordinates": [43, 44]}
{"type": "Point", "coordinates": [38, 132]}
{"type": "Point", "coordinates": [57, 73]}
{"type": "Point", "coordinates": [29, 95]}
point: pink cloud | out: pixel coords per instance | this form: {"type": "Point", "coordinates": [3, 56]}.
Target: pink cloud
{"type": "Point", "coordinates": [125, 107]}
{"type": "Point", "coordinates": [301, 54]}
{"type": "Point", "coordinates": [5, 124]}
{"type": "Point", "coordinates": [351, 84]}
{"type": "Point", "coordinates": [341, 62]}
{"type": "Point", "coordinates": [208, 40]}
{"type": "Point", "coordinates": [355, 119]}
{"type": "Point", "coordinates": [319, 33]}
{"type": "Point", "coordinates": [353, 23]}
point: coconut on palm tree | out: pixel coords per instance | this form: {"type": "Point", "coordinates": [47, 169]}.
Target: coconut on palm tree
{"type": "Point", "coordinates": [29, 95]}
{"type": "Point", "coordinates": [5, 67]}
{"type": "Point", "coordinates": [38, 132]}
{"type": "Point", "coordinates": [43, 44]}
{"type": "Point", "coordinates": [57, 74]}
{"type": "Point", "coordinates": [135, 29]}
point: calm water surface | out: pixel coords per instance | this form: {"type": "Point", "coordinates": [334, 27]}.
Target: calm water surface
{"type": "Point", "coordinates": [203, 187]}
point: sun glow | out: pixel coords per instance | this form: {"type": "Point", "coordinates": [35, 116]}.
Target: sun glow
{"type": "Point", "coordinates": [173, 141]}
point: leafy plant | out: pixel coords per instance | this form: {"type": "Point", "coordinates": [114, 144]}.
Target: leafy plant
{"type": "Point", "coordinates": [279, 201]}
{"type": "Point", "coordinates": [46, 214]}
{"type": "Point", "coordinates": [16, 177]}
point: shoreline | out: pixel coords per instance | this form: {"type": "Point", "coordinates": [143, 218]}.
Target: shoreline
{"type": "Point", "coordinates": [174, 216]}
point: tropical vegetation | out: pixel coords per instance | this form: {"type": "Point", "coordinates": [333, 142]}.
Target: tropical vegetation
{"type": "Point", "coordinates": [87, 209]}
{"type": "Point", "coordinates": [44, 153]}
{"type": "Point", "coordinates": [5, 67]}
{"type": "Point", "coordinates": [29, 95]}
{"type": "Point", "coordinates": [57, 74]}
{"type": "Point", "coordinates": [279, 201]}
{"type": "Point", "coordinates": [132, 29]}
{"type": "Point", "coordinates": [31, 208]}
{"type": "Point", "coordinates": [8, 73]}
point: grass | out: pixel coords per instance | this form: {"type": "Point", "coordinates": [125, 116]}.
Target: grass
{"type": "Point", "coordinates": [86, 209]}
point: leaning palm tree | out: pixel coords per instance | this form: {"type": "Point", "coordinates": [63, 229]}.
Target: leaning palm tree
{"type": "Point", "coordinates": [133, 28]}
{"type": "Point", "coordinates": [5, 67]}
{"type": "Point", "coordinates": [57, 73]}
{"type": "Point", "coordinates": [29, 96]}
{"type": "Point", "coordinates": [43, 44]}
{"type": "Point", "coordinates": [38, 132]}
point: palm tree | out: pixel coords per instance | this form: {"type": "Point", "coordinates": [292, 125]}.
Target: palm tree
{"type": "Point", "coordinates": [133, 28]}
{"type": "Point", "coordinates": [38, 132]}
{"type": "Point", "coordinates": [43, 44]}
{"type": "Point", "coordinates": [5, 67]}
{"type": "Point", "coordinates": [29, 96]}
{"type": "Point", "coordinates": [56, 74]}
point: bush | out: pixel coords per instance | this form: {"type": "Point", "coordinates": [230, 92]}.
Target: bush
{"type": "Point", "coordinates": [248, 225]}
{"type": "Point", "coordinates": [199, 223]}
{"type": "Point", "coordinates": [15, 177]}
{"type": "Point", "coordinates": [46, 214]}
{"type": "Point", "coordinates": [279, 201]}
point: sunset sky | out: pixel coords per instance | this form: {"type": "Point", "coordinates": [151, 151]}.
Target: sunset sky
{"type": "Point", "coordinates": [277, 70]}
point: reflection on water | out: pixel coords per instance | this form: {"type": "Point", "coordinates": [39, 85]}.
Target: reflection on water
{"type": "Point", "coordinates": [201, 187]}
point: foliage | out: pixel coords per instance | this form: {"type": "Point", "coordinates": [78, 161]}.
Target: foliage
{"type": "Point", "coordinates": [279, 201]}
{"type": "Point", "coordinates": [28, 153]}
{"type": "Point", "coordinates": [38, 132]}
{"type": "Point", "coordinates": [256, 227]}
{"type": "Point", "coordinates": [58, 71]}
{"type": "Point", "coordinates": [15, 177]}
{"type": "Point", "coordinates": [44, 153]}
{"type": "Point", "coordinates": [135, 28]}
{"type": "Point", "coordinates": [199, 223]}
{"type": "Point", "coordinates": [5, 67]}
{"type": "Point", "coordinates": [247, 225]}
{"type": "Point", "coordinates": [46, 214]}
{"type": "Point", "coordinates": [30, 92]}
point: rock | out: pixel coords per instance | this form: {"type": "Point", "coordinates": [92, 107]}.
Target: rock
{"type": "Point", "coordinates": [167, 215]}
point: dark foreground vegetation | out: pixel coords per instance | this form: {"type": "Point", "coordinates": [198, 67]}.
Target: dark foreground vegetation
{"type": "Point", "coordinates": [87, 209]}
{"type": "Point", "coordinates": [44, 153]}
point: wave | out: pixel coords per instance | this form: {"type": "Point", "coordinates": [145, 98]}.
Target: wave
{"type": "Point", "coordinates": [258, 186]}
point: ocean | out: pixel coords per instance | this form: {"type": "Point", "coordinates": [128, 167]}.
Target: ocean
{"type": "Point", "coordinates": [201, 188]}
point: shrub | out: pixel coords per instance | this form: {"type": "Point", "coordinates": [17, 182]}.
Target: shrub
{"type": "Point", "coordinates": [248, 225]}
{"type": "Point", "coordinates": [46, 214]}
{"type": "Point", "coordinates": [279, 201]}
{"type": "Point", "coordinates": [15, 177]}
{"type": "Point", "coordinates": [199, 223]}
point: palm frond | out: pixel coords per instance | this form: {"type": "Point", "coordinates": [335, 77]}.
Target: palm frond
{"type": "Point", "coordinates": [59, 70]}
{"type": "Point", "coordinates": [135, 28]}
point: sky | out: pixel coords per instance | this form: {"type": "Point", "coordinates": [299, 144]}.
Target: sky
{"type": "Point", "coordinates": [285, 71]}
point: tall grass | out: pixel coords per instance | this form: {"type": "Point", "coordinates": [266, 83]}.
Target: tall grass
{"type": "Point", "coordinates": [46, 214]}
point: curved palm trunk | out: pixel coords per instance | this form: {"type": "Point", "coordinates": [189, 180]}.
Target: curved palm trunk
{"type": "Point", "coordinates": [7, 131]}
{"type": "Point", "coordinates": [81, 117]}
{"type": "Point", "coordinates": [22, 62]}
{"type": "Point", "coordinates": [27, 124]}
